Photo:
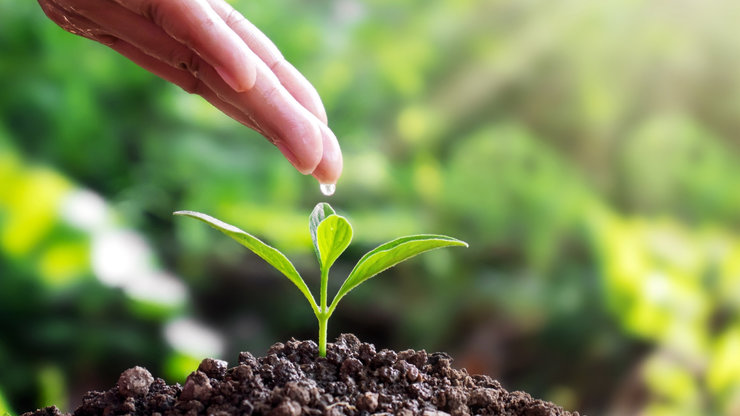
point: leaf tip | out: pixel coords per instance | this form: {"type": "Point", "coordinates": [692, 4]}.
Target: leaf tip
{"type": "Point", "coordinates": [325, 208]}
{"type": "Point", "coordinates": [188, 213]}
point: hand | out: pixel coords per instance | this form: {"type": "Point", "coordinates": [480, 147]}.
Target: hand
{"type": "Point", "coordinates": [208, 48]}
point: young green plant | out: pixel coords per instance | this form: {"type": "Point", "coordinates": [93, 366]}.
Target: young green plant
{"type": "Point", "coordinates": [331, 234]}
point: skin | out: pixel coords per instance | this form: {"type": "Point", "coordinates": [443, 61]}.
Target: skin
{"type": "Point", "coordinates": [208, 48]}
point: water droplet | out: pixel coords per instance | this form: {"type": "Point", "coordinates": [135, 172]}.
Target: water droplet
{"type": "Point", "coordinates": [327, 188]}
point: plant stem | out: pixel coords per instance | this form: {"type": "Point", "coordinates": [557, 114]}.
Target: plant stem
{"type": "Point", "coordinates": [323, 317]}
{"type": "Point", "coordinates": [323, 321]}
{"type": "Point", "coordinates": [324, 288]}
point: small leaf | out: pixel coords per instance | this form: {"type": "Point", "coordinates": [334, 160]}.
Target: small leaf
{"type": "Point", "coordinates": [333, 235]}
{"type": "Point", "coordinates": [319, 214]}
{"type": "Point", "coordinates": [388, 255]}
{"type": "Point", "coordinates": [266, 252]}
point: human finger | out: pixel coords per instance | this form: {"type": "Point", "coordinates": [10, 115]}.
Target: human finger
{"type": "Point", "coordinates": [330, 167]}
{"type": "Point", "coordinates": [182, 78]}
{"type": "Point", "coordinates": [74, 23]}
{"type": "Point", "coordinates": [194, 24]}
{"type": "Point", "coordinates": [134, 29]}
{"type": "Point", "coordinates": [292, 130]}
{"type": "Point", "coordinates": [298, 86]}
{"type": "Point", "coordinates": [269, 109]}
{"type": "Point", "coordinates": [79, 25]}
{"type": "Point", "coordinates": [295, 131]}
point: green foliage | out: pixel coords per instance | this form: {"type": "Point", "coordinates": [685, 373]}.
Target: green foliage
{"type": "Point", "coordinates": [319, 213]}
{"type": "Point", "coordinates": [331, 234]}
{"type": "Point", "coordinates": [4, 406]}
{"type": "Point", "coordinates": [52, 386]}
{"type": "Point", "coordinates": [388, 255]}
{"type": "Point", "coordinates": [267, 253]}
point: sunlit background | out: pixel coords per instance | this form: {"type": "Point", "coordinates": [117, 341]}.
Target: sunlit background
{"type": "Point", "coordinates": [587, 150]}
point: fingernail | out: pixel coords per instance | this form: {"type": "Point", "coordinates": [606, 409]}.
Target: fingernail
{"type": "Point", "coordinates": [236, 86]}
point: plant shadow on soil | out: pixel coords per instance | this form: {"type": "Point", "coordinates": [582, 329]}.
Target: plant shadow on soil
{"type": "Point", "coordinates": [353, 379]}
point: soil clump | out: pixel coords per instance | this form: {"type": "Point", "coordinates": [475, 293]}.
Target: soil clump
{"type": "Point", "coordinates": [353, 379]}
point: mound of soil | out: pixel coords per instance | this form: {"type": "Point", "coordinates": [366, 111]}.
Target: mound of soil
{"type": "Point", "coordinates": [291, 380]}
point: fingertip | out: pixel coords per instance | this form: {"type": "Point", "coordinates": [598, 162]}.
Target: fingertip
{"type": "Point", "coordinates": [330, 167]}
{"type": "Point", "coordinates": [305, 149]}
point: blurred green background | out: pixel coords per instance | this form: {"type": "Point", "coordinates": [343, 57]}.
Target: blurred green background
{"type": "Point", "coordinates": [587, 151]}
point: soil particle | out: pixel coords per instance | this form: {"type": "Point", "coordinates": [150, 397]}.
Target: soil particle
{"type": "Point", "coordinates": [291, 380]}
{"type": "Point", "coordinates": [213, 368]}
{"type": "Point", "coordinates": [367, 402]}
{"type": "Point", "coordinates": [49, 411]}
{"type": "Point", "coordinates": [197, 387]}
{"type": "Point", "coordinates": [287, 408]}
{"type": "Point", "coordinates": [135, 382]}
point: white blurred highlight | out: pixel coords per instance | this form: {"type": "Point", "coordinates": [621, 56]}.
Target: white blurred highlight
{"type": "Point", "coordinates": [119, 257]}
{"type": "Point", "coordinates": [123, 259]}
{"type": "Point", "coordinates": [85, 210]}
{"type": "Point", "coordinates": [158, 287]}
{"type": "Point", "coordinates": [194, 339]}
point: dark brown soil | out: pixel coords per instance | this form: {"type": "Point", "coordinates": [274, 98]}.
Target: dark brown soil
{"type": "Point", "coordinates": [353, 379]}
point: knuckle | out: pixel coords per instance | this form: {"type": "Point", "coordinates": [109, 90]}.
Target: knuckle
{"type": "Point", "coordinates": [234, 18]}
{"type": "Point", "coordinates": [164, 14]}
{"type": "Point", "coordinates": [151, 10]}
{"type": "Point", "coordinates": [277, 63]}
{"type": "Point", "coordinates": [271, 93]}
{"type": "Point", "coordinates": [186, 60]}
{"type": "Point", "coordinates": [185, 35]}
{"type": "Point", "coordinates": [193, 86]}
{"type": "Point", "coordinates": [208, 22]}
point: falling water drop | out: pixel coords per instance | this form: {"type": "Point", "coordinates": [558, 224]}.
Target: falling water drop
{"type": "Point", "coordinates": [327, 188]}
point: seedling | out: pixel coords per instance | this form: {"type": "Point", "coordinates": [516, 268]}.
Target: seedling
{"type": "Point", "coordinates": [331, 235]}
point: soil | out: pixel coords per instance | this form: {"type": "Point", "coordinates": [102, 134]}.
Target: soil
{"type": "Point", "coordinates": [291, 380]}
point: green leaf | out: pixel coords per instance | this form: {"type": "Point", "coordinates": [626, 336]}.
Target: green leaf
{"type": "Point", "coordinates": [266, 252]}
{"type": "Point", "coordinates": [319, 214]}
{"type": "Point", "coordinates": [333, 236]}
{"type": "Point", "coordinates": [388, 255]}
